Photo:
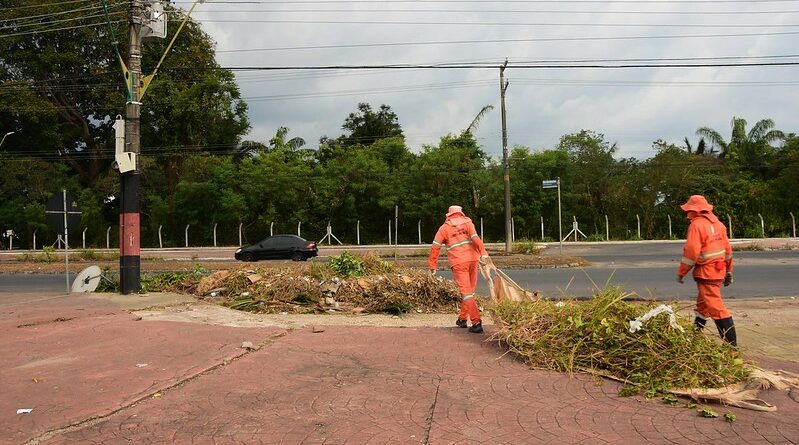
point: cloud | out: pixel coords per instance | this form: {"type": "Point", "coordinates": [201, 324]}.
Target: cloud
{"type": "Point", "coordinates": [630, 106]}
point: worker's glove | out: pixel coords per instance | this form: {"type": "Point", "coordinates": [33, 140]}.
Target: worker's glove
{"type": "Point", "coordinates": [728, 279]}
{"type": "Point", "coordinates": [679, 279]}
{"type": "Point", "coordinates": [433, 272]}
{"type": "Point", "coordinates": [485, 260]}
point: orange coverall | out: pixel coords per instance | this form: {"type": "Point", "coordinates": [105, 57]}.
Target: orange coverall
{"type": "Point", "coordinates": [707, 250]}
{"type": "Point", "coordinates": [464, 249]}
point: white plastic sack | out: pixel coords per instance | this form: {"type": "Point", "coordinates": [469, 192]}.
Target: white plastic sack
{"type": "Point", "coordinates": [636, 324]}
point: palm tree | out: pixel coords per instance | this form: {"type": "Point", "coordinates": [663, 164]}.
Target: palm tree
{"type": "Point", "coordinates": [279, 141]}
{"type": "Point", "coordinates": [700, 147]}
{"type": "Point", "coordinates": [476, 121]}
{"type": "Point", "coordinates": [748, 148]}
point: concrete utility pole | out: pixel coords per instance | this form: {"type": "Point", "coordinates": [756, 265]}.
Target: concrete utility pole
{"type": "Point", "coordinates": [129, 243]}
{"type": "Point", "coordinates": [503, 87]}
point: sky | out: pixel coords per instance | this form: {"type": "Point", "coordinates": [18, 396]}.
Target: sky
{"type": "Point", "coordinates": [631, 107]}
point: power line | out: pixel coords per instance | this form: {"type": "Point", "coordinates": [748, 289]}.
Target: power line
{"type": "Point", "coordinates": [490, 11]}
{"type": "Point", "coordinates": [16, 8]}
{"type": "Point", "coordinates": [525, 40]}
{"type": "Point", "coordinates": [494, 66]}
{"type": "Point", "coordinates": [53, 22]}
{"type": "Point", "coordinates": [66, 28]}
{"type": "Point", "coordinates": [290, 2]}
{"type": "Point", "coordinates": [485, 23]}
{"type": "Point", "coordinates": [53, 14]}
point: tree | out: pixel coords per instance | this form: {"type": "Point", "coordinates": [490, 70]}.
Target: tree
{"type": "Point", "coordinates": [594, 164]}
{"type": "Point", "coordinates": [751, 149]}
{"type": "Point", "coordinates": [367, 126]}
{"type": "Point", "coordinates": [73, 89]}
{"type": "Point", "coordinates": [700, 147]}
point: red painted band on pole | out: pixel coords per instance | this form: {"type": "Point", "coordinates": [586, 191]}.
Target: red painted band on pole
{"type": "Point", "coordinates": [129, 244]}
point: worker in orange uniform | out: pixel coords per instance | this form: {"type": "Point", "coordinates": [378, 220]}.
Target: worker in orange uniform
{"type": "Point", "coordinates": [707, 250]}
{"type": "Point", "coordinates": [464, 250]}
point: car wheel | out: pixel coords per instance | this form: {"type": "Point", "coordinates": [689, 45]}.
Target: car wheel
{"type": "Point", "coordinates": [247, 256]}
{"type": "Point", "coordinates": [298, 256]}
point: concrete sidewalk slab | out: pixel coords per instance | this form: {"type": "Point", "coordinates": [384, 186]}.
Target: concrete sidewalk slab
{"type": "Point", "coordinates": [76, 358]}
{"type": "Point", "coordinates": [415, 385]}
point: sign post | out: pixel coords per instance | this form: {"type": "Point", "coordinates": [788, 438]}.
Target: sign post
{"type": "Point", "coordinates": [551, 184]}
{"type": "Point", "coordinates": [60, 215]}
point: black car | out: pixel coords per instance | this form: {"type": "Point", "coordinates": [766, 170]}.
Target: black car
{"type": "Point", "coordinates": [279, 247]}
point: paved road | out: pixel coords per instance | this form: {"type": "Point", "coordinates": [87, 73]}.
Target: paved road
{"type": "Point", "coordinates": [647, 269]}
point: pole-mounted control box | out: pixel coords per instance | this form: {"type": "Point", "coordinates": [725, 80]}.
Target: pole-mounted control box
{"type": "Point", "coordinates": [124, 161]}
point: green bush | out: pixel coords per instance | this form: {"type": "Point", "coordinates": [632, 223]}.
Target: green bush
{"type": "Point", "coordinates": [347, 265]}
{"type": "Point", "coordinates": [89, 255]}
{"type": "Point", "coordinates": [526, 247]}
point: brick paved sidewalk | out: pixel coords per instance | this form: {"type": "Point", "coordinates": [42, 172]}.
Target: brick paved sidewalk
{"type": "Point", "coordinates": [353, 385]}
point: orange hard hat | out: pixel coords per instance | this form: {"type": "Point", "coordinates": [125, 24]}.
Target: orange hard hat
{"type": "Point", "coordinates": [697, 203]}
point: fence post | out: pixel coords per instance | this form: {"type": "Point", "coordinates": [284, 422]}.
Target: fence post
{"type": "Point", "coordinates": [108, 237]}
{"type": "Point", "coordinates": [669, 217]}
{"type": "Point", "coordinates": [481, 228]}
{"type": "Point", "coordinates": [542, 228]}
{"type": "Point", "coordinates": [299, 229]}
{"type": "Point", "coordinates": [419, 229]}
{"type": "Point", "coordinates": [83, 237]}
{"type": "Point", "coordinates": [215, 224]}
{"type": "Point", "coordinates": [389, 233]}
{"type": "Point", "coordinates": [240, 224]}
{"type": "Point", "coordinates": [187, 234]}
{"type": "Point", "coordinates": [358, 232]}
{"type": "Point", "coordinates": [762, 226]}
{"type": "Point", "coordinates": [513, 230]}
{"type": "Point", "coordinates": [793, 224]}
{"type": "Point", "coordinates": [576, 226]}
{"type": "Point", "coordinates": [160, 239]}
{"type": "Point", "coordinates": [638, 218]}
{"type": "Point", "coordinates": [729, 225]}
{"type": "Point", "coordinates": [34, 238]}
{"type": "Point", "coordinates": [607, 229]}
{"type": "Point", "coordinates": [396, 228]}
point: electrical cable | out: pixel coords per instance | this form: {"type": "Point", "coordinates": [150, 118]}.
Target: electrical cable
{"type": "Point", "coordinates": [486, 23]}
{"type": "Point", "coordinates": [16, 8]}
{"type": "Point", "coordinates": [484, 11]}
{"type": "Point", "coordinates": [525, 40]}
{"type": "Point", "coordinates": [66, 28]}
{"type": "Point", "coordinates": [289, 2]}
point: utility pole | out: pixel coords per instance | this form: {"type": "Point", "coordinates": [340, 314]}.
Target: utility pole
{"type": "Point", "coordinates": [129, 243]}
{"type": "Point", "coordinates": [503, 87]}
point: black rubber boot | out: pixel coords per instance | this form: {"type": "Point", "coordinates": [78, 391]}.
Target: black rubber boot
{"type": "Point", "coordinates": [726, 329]}
{"type": "Point", "coordinates": [699, 323]}
{"type": "Point", "coordinates": [477, 328]}
{"type": "Point", "coordinates": [460, 323]}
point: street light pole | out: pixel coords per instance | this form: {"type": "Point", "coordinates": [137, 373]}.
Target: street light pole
{"type": "Point", "coordinates": [5, 136]}
{"type": "Point", "coordinates": [503, 87]}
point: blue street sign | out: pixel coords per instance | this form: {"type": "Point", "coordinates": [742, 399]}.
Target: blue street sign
{"type": "Point", "coordinates": [549, 184]}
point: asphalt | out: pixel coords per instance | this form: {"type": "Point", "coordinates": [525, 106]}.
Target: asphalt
{"type": "Point", "coordinates": [647, 269]}
{"type": "Point", "coordinates": [90, 371]}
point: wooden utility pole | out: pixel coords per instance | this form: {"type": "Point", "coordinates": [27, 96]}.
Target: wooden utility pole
{"type": "Point", "coordinates": [503, 87]}
{"type": "Point", "coordinates": [129, 230]}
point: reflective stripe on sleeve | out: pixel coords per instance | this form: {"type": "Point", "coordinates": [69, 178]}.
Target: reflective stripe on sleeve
{"type": "Point", "coordinates": [468, 297]}
{"type": "Point", "coordinates": [687, 261]}
{"type": "Point", "coordinates": [474, 235]}
{"type": "Point", "coordinates": [436, 243]}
